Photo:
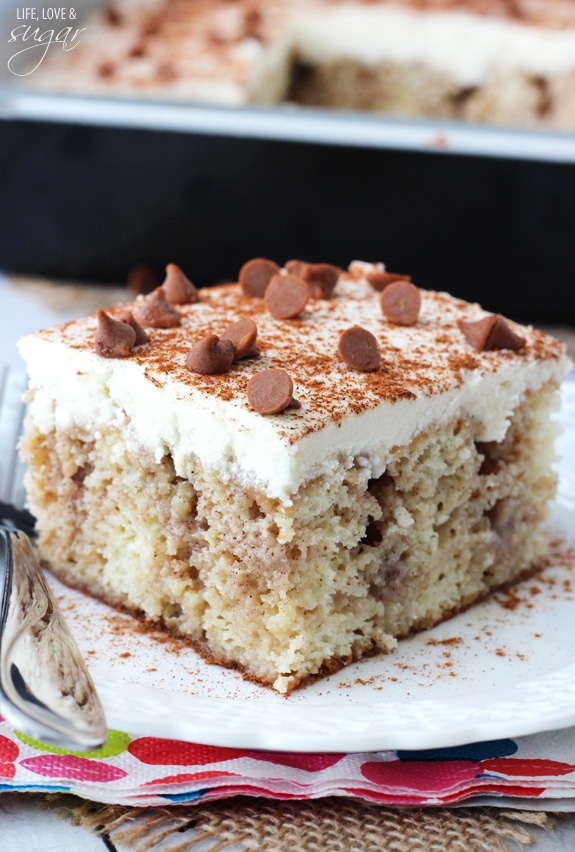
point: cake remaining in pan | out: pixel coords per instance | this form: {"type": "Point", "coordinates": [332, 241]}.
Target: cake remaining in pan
{"type": "Point", "coordinates": [493, 61]}
{"type": "Point", "coordinates": [295, 470]}
{"type": "Point", "coordinates": [450, 65]}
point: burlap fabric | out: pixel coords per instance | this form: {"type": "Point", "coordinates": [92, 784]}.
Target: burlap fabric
{"type": "Point", "coordinates": [326, 825]}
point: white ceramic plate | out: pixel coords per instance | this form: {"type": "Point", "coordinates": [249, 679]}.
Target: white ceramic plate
{"type": "Point", "coordinates": [505, 668]}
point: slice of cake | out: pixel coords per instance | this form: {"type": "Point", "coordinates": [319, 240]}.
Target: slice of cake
{"type": "Point", "coordinates": [295, 470]}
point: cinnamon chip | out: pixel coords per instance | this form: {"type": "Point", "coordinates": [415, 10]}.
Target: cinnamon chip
{"type": "Point", "coordinates": [270, 391]}
{"type": "Point", "coordinates": [152, 25]}
{"type": "Point", "coordinates": [114, 338]}
{"type": "Point", "coordinates": [210, 356]}
{"type": "Point", "coordinates": [243, 335]}
{"type": "Point", "coordinates": [321, 279]}
{"type": "Point", "coordinates": [492, 332]}
{"type": "Point", "coordinates": [155, 311]}
{"type": "Point", "coordinates": [286, 296]}
{"type": "Point", "coordinates": [296, 267]}
{"type": "Point", "coordinates": [256, 274]}
{"type": "Point", "coordinates": [253, 22]}
{"type": "Point", "coordinates": [401, 302]}
{"type": "Point", "coordinates": [165, 72]}
{"type": "Point", "coordinates": [105, 70]}
{"type": "Point", "coordinates": [112, 15]}
{"type": "Point", "coordinates": [137, 50]}
{"type": "Point", "coordinates": [178, 288]}
{"type": "Point", "coordinates": [141, 336]}
{"type": "Point", "coordinates": [380, 280]}
{"type": "Point", "coordinates": [358, 348]}
{"type": "Point", "coordinates": [142, 279]}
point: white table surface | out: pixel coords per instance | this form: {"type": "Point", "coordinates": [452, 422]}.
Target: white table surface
{"type": "Point", "coordinates": [24, 824]}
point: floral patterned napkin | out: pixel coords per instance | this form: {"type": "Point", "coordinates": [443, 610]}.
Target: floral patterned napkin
{"type": "Point", "coordinates": [147, 771]}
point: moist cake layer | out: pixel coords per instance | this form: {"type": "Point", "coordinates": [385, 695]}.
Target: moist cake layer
{"type": "Point", "coordinates": [406, 475]}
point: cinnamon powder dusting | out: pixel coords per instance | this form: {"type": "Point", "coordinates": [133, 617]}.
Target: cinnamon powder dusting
{"type": "Point", "coordinates": [451, 642]}
{"type": "Point", "coordinates": [425, 359]}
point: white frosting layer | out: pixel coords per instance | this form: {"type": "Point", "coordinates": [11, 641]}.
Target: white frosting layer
{"type": "Point", "coordinates": [343, 413]}
{"type": "Point", "coordinates": [467, 48]}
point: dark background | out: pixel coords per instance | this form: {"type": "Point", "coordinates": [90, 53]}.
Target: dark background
{"type": "Point", "coordinates": [89, 203]}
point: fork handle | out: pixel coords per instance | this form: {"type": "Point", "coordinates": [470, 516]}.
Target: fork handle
{"type": "Point", "coordinates": [45, 688]}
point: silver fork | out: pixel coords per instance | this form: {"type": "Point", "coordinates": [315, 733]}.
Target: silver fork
{"type": "Point", "coordinates": [45, 688]}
